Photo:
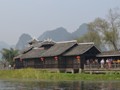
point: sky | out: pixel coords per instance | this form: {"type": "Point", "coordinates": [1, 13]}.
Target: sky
{"type": "Point", "coordinates": [37, 16]}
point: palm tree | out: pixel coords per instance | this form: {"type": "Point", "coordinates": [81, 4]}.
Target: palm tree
{"type": "Point", "coordinates": [9, 54]}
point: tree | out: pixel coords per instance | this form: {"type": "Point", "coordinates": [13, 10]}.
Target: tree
{"type": "Point", "coordinates": [108, 29]}
{"type": "Point", "coordinates": [91, 36]}
{"type": "Point", "coordinates": [9, 54]}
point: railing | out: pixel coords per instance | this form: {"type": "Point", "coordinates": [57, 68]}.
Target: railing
{"type": "Point", "coordinates": [57, 66]}
{"type": "Point", "coordinates": [105, 66]}
{"type": "Point", "coordinates": [48, 66]}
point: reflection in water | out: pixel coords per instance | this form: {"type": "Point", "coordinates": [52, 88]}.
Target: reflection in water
{"type": "Point", "coordinates": [66, 85]}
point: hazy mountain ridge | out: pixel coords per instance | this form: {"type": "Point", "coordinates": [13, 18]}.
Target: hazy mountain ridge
{"type": "Point", "coordinates": [58, 34]}
{"type": "Point", "coordinates": [61, 34]}
{"type": "Point", "coordinates": [23, 41]}
{"type": "Point", "coordinates": [80, 31]}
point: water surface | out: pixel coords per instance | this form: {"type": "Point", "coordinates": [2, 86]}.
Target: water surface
{"type": "Point", "coordinates": [63, 85]}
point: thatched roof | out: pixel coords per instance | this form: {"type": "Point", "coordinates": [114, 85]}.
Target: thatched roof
{"type": "Point", "coordinates": [38, 44]}
{"type": "Point", "coordinates": [33, 41]}
{"type": "Point", "coordinates": [109, 54]}
{"type": "Point", "coordinates": [58, 49]}
{"type": "Point", "coordinates": [17, 57]}
{"type": "Point", "coordinates": [34, 53]}
{"type": "Point", "coordinates": [79, 49]}
{"type": "Point", "coordinates": [48, 42]}
{"type": "Point", "coordinates": [68, 48]}
{"type": "Point", "coordinates": [27, 49]}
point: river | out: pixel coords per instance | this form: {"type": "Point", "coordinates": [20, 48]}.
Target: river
{"type": "Point", "coordinates": [62, 85]}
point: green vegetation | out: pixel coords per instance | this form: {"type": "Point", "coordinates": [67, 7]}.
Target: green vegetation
{"type": "Point", "coordinates": [91, 36]}
{"type": "Point", "coordinates": [8, 55]}
{"type": "Point", "coordinates": [34, 74]}
{"type": "Point", "coordinates": [104, 31]}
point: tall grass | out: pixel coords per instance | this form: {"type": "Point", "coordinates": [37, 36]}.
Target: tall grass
{"type": "Point", "coordinates": [35, 74]}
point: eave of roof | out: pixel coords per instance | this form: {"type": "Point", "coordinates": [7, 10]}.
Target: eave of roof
{"type": "Point", "coordinates": [78, 50]}
{"type": "Point", "coordinates": [19, 56]}
{"type": "Point", "coordinates": [109, 54]}
{"type": "Point", "coordinates": [27, 49]}
{"type": "Point", "coordinates": [34, 53]}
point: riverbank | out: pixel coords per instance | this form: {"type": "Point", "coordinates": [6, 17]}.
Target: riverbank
{"type": "Point", "coordinates": [35, 74]}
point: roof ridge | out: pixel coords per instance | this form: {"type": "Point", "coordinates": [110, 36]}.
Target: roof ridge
{"type": "Point", "coordinates": [67, 41]}
{"type": "Point", "coordinates": [87, 43]}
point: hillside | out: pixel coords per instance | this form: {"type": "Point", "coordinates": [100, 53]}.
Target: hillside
{"type": "Point", "coordinates": [59, 34]}
{"type": "Point", "coordinates": [80, 31]}
{"type": "Point", "coordinates": [23, 41]}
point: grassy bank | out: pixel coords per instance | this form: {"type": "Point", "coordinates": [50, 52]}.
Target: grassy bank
{"type": "Point", "coordinates": [34, 74]}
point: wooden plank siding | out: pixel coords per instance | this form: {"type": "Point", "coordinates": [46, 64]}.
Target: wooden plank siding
{"type": "Point", "coordinates": [72, 62]}
{"type": "Point", "coordinates": [18, 64]}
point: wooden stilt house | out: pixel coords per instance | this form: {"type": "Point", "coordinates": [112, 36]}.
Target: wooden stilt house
{"type": "Point", "coordinates": [67, 55]}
